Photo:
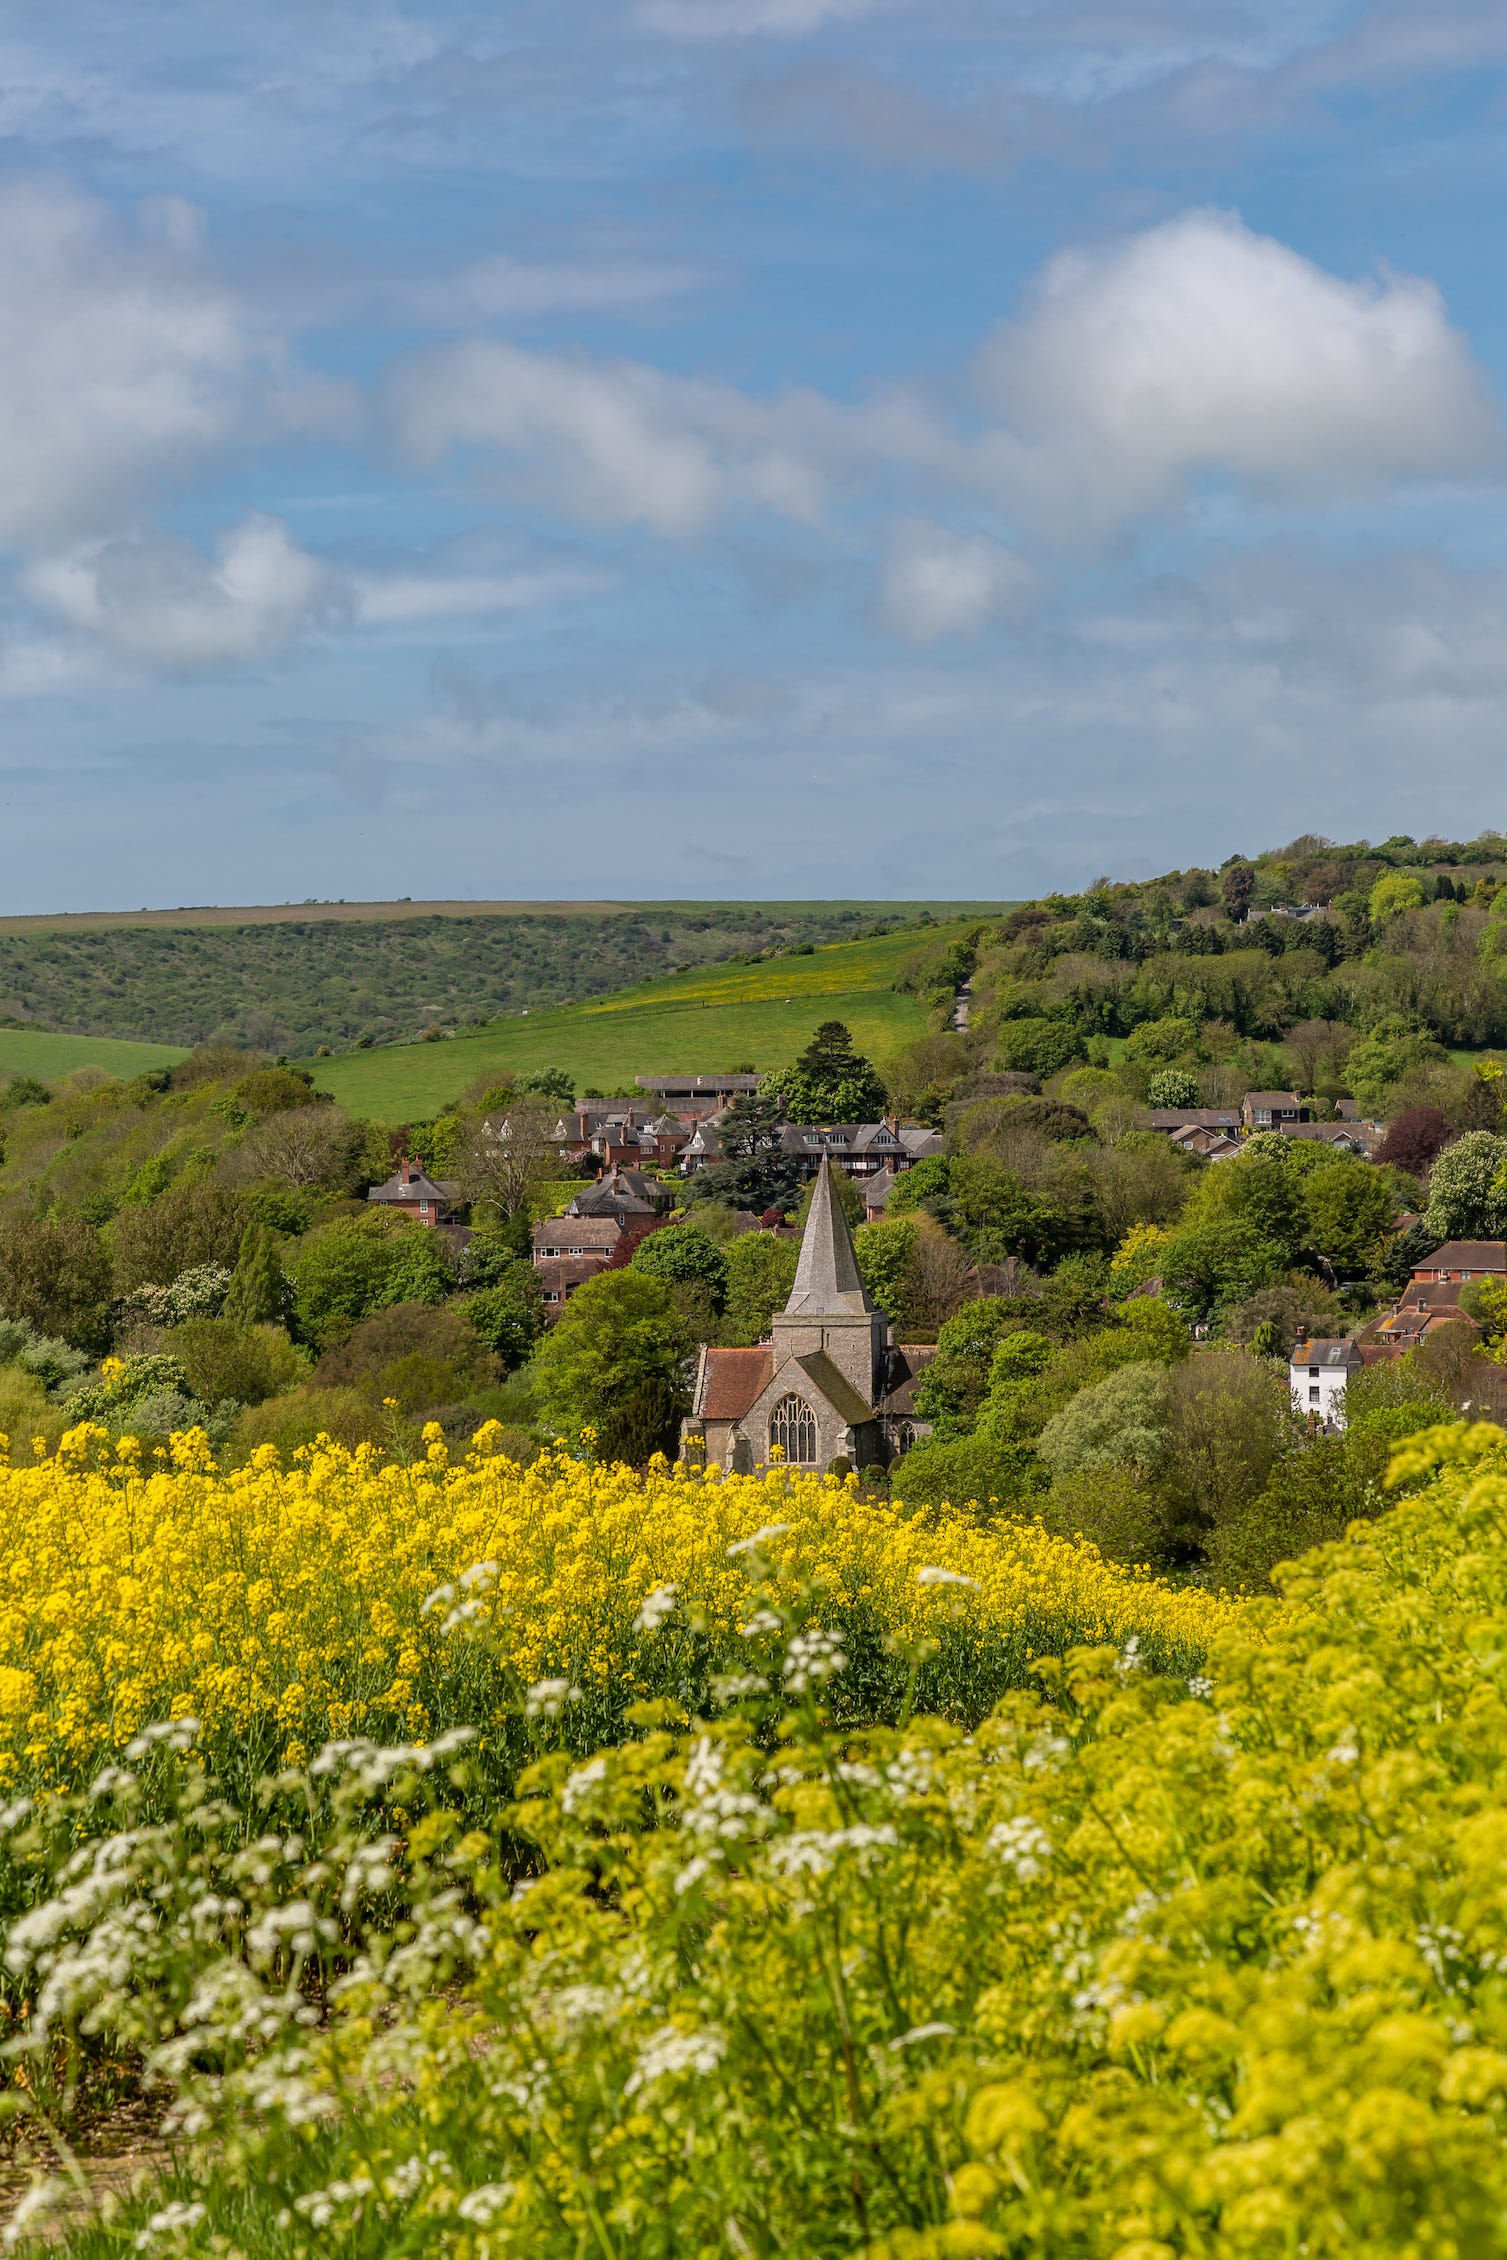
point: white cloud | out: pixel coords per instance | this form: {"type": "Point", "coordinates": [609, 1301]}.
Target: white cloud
{"type": "Point", "coordinates": [397, 600]}
{"type": "Point", "coordinates": [125, 363]}
{"type": "Point", "coordinates": [622, 443]}
{"type": "Point", "coordinates": [160, 601]}
{"type": "Point", "coordinates": [940, 583]}
{"type": "Point", "coordinates": [741, 19]}
{"type": "Point", "coordinates": [1199, 347]}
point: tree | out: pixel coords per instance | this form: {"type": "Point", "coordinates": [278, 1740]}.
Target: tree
{"type": "Point", "coordinates": [508, 1313]}
{"type": "Point", "coordinates": [343, 1271]}
{"type": "Point", "coordinates": [551, 1083]}
{"type": "Point", "coordinates": [680, 1254]}
{"type": "Point", "coordinates": [1349, 1207]}
{"type": "Point", "coordinates": [956, 1382]}
{"type": "Point", "coordinates": [306, 1146]}
{"type": "Point", "coordinates": [613, 1363]}
{"type": "Point", "coordinates": [1467, 1191]}
{"type": "Point", "coordinates": [1393, 892]}
{"type": "Point", "coordinates": [1039, 1046]}
{"type": "Point", "coordinates": [1174, 1086]}
{"type": "Point", "coordinates": [195, 1221]}
{"type": "Point", "coordinates": [923, 1077]}
{"type": "Point", "coordinates": [1384, 1056]}
{"type": "Point", "coordinates": [57, 1275]}
{"type": "Point", "coordinates": [500, 1174]}
{"type": "Point", "coordinates": [420, 1355]}
{"type": "Point", "coordinates": [760, 1276]}
{"type": "Point", "coordinates": [1162, 1041]}
{"type": "Point", "coordinates": [755, 1172]}
{"type": "Point", "coordinates": [886, 1254]}
{"type": "Point", "coordinates": [258, 1293]}
{"type": "Point", "coordinates": [1229, 1413]}
{"type": "Point", "coordinates": [925, 1180]}
{"type": "Point", "coordinates": [977, 1473]}
{"type": "Point", "coordinates": [1264, 1192]}
{"type": "Point", "coordinates": [1121, 1422]}
{"type": "Point", "coordinates": [1224, 1261]}
{"type": "Point", "coordinates": [830, 1081]}
{"type": "Point", "coordinates": [1414, 1138]}
{"type": "Point", "coordinates": [223, 1358]}
{"type": "Point", "coordinates": [1237, 888]}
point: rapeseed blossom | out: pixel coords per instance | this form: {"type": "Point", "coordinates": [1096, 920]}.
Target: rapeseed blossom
{"type": "Point", "coordinates": [341, 1596]}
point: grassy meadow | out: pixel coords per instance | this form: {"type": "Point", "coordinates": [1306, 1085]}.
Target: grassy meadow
{"type": "Point", "coordinates": [40, 1052]}
{"type": "Point", "coordinates": [718, 1017]}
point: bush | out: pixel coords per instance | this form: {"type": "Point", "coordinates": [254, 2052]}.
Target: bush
{"type": "Point", "coordinates": [222, 1358]}
{"type": "Point", "coordinates": [413, 1352]}
{"type": "Point", "coordinates": [192, 1223]}
{"type": "Point", "coordinates": [291, 1422]}
{"type": "Point", "coordinates": [682, 1254]}
{"type": "Point", "coordinates": [1121, 1422]}
{"type": "Point", "coordinates": [56, 1275]}
{"type": "Point", "coordinates": [977, 1475]}
{"type": "Point", "coordinates": [1039, 1047]}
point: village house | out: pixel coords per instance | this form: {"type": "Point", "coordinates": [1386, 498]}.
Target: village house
{"type": "Point", "coordinates": [1208, 1145]}
{"type": "Point", "coordinates": [413, 1193]}
{"type": "Point", "coordinates": [1358, 1138]}
{"type": "Point", "coordinates": [829, 1386]}
{"type": "Point", "coordinates": [598, 1232]}
{"type": "Point", "coordinates": [1174, 1119]}
{"type": "Point", "coordinates": [1459, 1260]}
{"type": "Point", "coordinates": [1319, 1374]}
{"type": "Point", "coordinates": [1270, 1110]}
{"type": "Point", "coordinates": [860, 1149]}
{"type": "Point", "coordinates": [694, 1095]}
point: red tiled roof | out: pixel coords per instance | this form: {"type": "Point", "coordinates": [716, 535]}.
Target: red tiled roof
{"type": "Point", "coordinates": [733, 1379]}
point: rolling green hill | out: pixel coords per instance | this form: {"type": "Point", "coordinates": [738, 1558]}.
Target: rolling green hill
{"type": "Point", "coordinates": [297, 977]}
{"type": "Point", "coordinates": [694, 1023]}
{"type": "Point", "coordinates": [36, 1051]}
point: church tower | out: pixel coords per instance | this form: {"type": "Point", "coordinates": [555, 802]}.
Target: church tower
{"type": "Point", "coordinates": [829, 1308]}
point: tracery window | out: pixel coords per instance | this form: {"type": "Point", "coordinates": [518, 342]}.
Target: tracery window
{"type": "Point", "coordinates": [792, 1432]}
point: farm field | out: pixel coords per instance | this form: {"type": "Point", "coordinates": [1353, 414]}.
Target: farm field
{"type": "Point", "coordinates": [369, 913]}
{"type": "Point", "coordinates": [694, 1023]}
{"type": "Point", "coordinates": [37, 1051]}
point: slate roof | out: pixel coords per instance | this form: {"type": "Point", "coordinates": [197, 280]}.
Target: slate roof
{"type": "Point", "coordinates": [907, 1362]}
{"type": "Point", "coordinates": [836, 1387]}
{"type": "Point", "coordinates": [1336, 1355]}
{"type": "Point", "coordinates": [827, 1283]}
{"type": "Point", "coordinates": [1195, 1117]}
{"type": "Point", "coordinates": [1464, 1255]}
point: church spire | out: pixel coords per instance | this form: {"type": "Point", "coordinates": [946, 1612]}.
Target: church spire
{"type": "Point", "coordinates": [827, 1282]}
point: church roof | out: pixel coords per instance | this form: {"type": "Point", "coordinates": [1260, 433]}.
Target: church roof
{"type": "Point", "coordinates": [732, 1381]}
{"type": "Point", "coordinates": [827, 1284]}
{"type": "Point", "coordinates": [836, 1388]}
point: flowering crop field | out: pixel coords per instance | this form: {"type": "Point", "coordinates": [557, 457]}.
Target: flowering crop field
{"type": "Point", "coordinates": [285, 1605]}
{"type": "Point", "coordinates": [1138, 1967]}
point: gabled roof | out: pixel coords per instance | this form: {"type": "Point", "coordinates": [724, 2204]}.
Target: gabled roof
{"type": "Point", "coordinates": [1270, 1099]}
{"type": "Point", "coordinates": [907, 1362]}
{"type": "Point", "coordinates": [731, 1382]}
{"type": "Point", "coordinates": [410, 1183]}
{"type": "Point", "coordinates": [835, 1387]}
{"type": "Point", "coordinates": [1341, 1355]}
{"type": "Point", "coordinates": [1464, 1255]}
{"type": "Point", "coordinates": [1195, 1117]}
{"type": "Point", "coordinates": [589, 1234]}
{"type": "Point", "coordinates": [878, 1188]}
{"type": "Point", "coordinates": [827, 1283]}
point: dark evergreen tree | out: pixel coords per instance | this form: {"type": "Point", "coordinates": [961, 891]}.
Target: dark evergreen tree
{"type": "Point", "coordinates": [755, 1171]}
{"type": "Point", "coordinates": [258, 1292]}
{"type": "Point", "coordinates": [831, 1081]}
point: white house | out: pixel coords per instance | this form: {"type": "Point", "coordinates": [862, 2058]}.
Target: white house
{"type": "Point", "coordinates": [1319, 1374]}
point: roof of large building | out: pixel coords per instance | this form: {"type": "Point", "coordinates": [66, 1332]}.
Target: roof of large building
{"type": "Point", "coordinates": [1325, 1353]}
{"type": "Point", "coordinates": [732, 1381]}
{"type": "Point", "coordinates": [827, 1282]}
{"type": "Point", "coordinates": [907, 1362]}
{"type": "Point", "coordinates": [1464, 1255]}
{"type": "Point", "coordinates": [1195, 1117]}
{"type": "Point", "coordinates": [836, 1388]}
{"type": "Point", "coordinates": [577, 1235]}
{"type": "Point", "coordinates": [692, 1086]}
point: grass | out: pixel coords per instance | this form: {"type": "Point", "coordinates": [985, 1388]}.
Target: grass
{"type": "Point", "coordinates": [719, 1017]}
{"type": "Point", "coordinates": [37, 1051]}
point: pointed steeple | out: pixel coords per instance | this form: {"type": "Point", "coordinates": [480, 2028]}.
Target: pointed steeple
{"type": "Point", "coordinates": [827, 1282]}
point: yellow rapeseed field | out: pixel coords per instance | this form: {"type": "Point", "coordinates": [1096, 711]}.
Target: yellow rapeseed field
{"type": "Point", "coordinates": [284, 1605]}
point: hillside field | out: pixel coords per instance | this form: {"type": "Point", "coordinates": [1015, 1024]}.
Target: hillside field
{"type": "Point", "coordinates": [720, 1017]}
{"type": "Point", "coordinates": [36, 1051]}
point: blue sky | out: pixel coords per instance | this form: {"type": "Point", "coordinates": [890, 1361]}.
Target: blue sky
{"type": "Point", "coordinates": [742, 447]}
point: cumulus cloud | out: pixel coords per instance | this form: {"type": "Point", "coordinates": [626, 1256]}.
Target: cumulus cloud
{"type": "Point", "coordinates": [161, 601]}
{"type": "Point", "coordinates": [125, 363]}
{"type": "Point", "coordinates": [623, 443]}
{"type": "Point", "coordinates": [941, 583]}
{"type": "Point", "coordinates": [1199, 347]}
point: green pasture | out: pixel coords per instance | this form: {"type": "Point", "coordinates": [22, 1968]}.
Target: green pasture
{"type": "Point", "coordinates": [37, 1051]}
{"type": "Point", "coordinates": [719, 1017]}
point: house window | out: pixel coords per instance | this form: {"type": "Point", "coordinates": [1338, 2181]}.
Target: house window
{"type": "Point", "coordinates": [792, 1432]}
{"type": "Point", "coordinates": [1313, 1396]}
{"type": "Point", "coordinates": [550, 1295]}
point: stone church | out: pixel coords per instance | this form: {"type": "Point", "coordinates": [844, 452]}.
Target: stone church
{"type": "Point", "coordinates": [830, 1385]}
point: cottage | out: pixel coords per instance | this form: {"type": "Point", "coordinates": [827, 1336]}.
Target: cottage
{"type": "Point", "coordinates": [1341, 1137]}
{"type": "Point", "coordinates": [829, 1385]}
{"type": "Point", "coordinates": [1270, 1110]}
{"type": "Point", "coordinates": [413, 1193]}
{"type": "Point", "coordinates": [1174, 1119]}
{"type": "Point", "coordinates": [1319, 1375]}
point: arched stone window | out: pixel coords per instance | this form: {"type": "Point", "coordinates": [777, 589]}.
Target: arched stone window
{"type": "Point", "coordinates": [792, 1432]}
{"type": "Point", "coordinates": [902, 1435]}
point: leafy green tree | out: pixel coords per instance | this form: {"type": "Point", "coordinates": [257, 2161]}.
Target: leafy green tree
{"type": "Point", "coordinates": [418, 1354]}
{"type": "Point", "coordinates": [421, 1266]}
{"type": "Point", "coordinates": [508, 1313]}
{"type": "Point", "coordinates": [1384, 1056]}
{"type": "Point", "coordinates": [956, 1382]}
{"type": "Point", "coordinates": [1394, 891]}
{"type": "Point", "coordinates": [925, 1181]}
{"type": "Point", "coordinates": [886, 1254]}
{"type": "Point", "coordinates": [1159, 1042]}
{"type": "Point", "coordinates": [977, 1474]}
{"type": "Point", "coordinates": [830, 1081]}
{"type": "Point", "coordinates": [1039, 1046]}
{"type": "Point", "coordinates": [1467, 1189]}
{"type": "Point", "coordinates": [57, 1274]}
{"type": "Point", "coordinates": [995, 1217]}
{"type": "Point", "coordinates": [1123, 1421]}
{"type": "Point", "coordinates": [755, 1172]}
{"type": "Point", "coordinates": [258, 1293]}
{"type": "Point", "coordinates": [1224, 1261]}
{"type": "Point", "coordinates": [343, 1271]}
{"type": "Point", "coordinates": [760, 1276]}
{"type": "Point", "coordinates": [224, 1358]}
{"type": "Point", "coordinates": [1174, 1086]}
{"type": "Point", "coordinates": [551, 1083]}
{"type": "Point", "coordinates": [1237, 889]}
{"type": "Point", "coordinates": [1266, 1194]}
{"type": "Point", "coordinates": [1349, 1207]}
{"type": "Point", "coordinates": [195, 1221]}
{"type": "Point", "coordinates": [680, 1254]}
{"type": "Point", "coordinates": [613, 1362]}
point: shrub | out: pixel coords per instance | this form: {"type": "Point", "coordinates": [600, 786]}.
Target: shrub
{"type": "Point", "coordinates": [682, 1254]}
{"type": "Point", "coordinates": [222, 1358]}
{"type": "Point", "coordinates": [1039, 1047]}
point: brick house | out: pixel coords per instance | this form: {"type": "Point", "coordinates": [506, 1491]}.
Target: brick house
{"type": "Point", "coordinates": [413, 1193]}
{"type": "Point", "coordinates": [1459, 1260]}
{"type": "Point", "coordinates": [1270, 1110]}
